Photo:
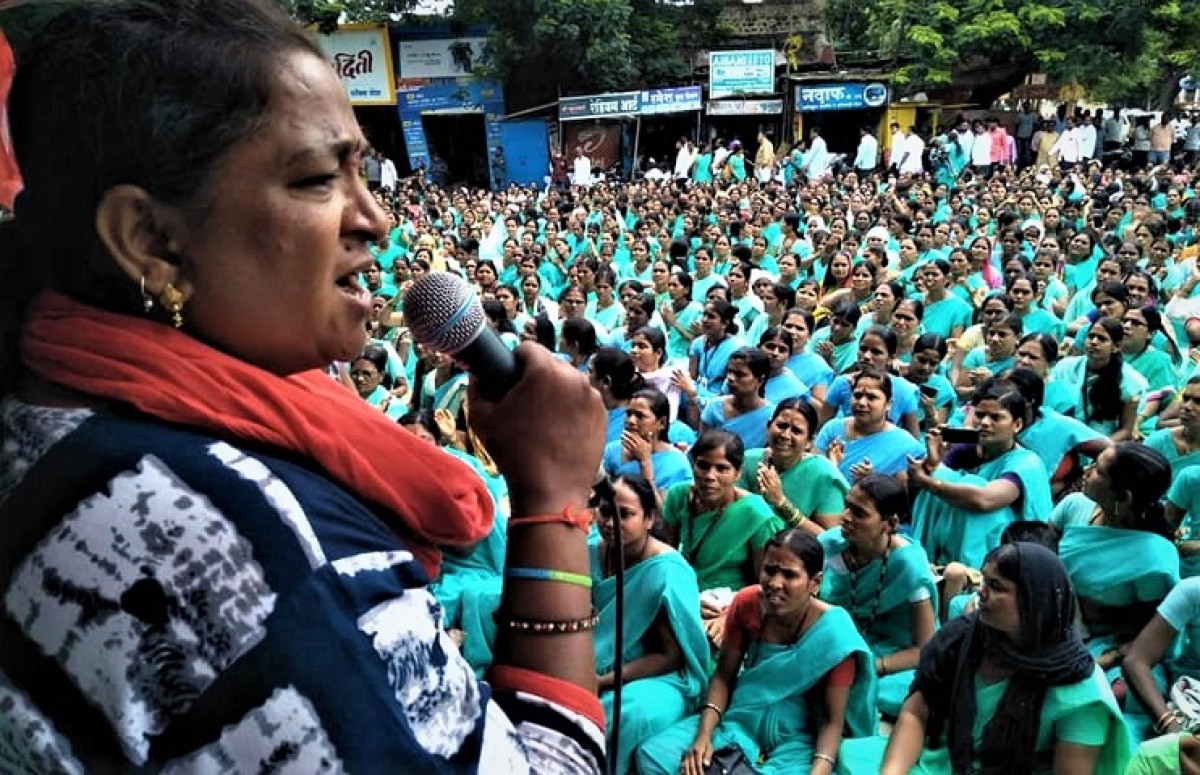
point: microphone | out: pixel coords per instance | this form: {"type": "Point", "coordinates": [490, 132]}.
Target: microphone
{"type": "Point", "coordinates": [444, 313]}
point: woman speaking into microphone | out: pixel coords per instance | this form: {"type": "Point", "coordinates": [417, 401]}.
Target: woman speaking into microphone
{"type": "Point", "coordinates": [216, 558]}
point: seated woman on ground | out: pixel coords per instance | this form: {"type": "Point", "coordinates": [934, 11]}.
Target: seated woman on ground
{"type": "Point", "coordinates": [794, 678]}
{"type": "Point", "coordinates": [665, 652]}
{"type": "Point", "coordinates": [717, 527]}
{"type": "Point", "coordinates": [804, 488]}
{"type": "Point", "coordinates": [883, 581]}
{"type": "Point", "coordinates": [866, 442]}
{"type": "Point", "coordinates": [1009, 689]}
{"type": "Point", "coordinates": [969, 493]}
{"type": "Point", "coordinates": [745, 411]}
{"type": "Point", "coordinates": [876, 350]}
{"type": "Point", "coordinates": [643, 447]}
{"type": "Point", "coordinates": [960, 584]}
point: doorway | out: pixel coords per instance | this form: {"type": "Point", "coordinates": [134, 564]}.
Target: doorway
{"type": "Point", "coordinates": [457, 149]}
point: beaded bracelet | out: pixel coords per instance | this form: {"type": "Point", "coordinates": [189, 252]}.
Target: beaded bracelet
{"type": "Point", "coordinates": [580, 519]}
{"type": "Point", "coordinates": [542, 627]}
{"type": "Point", "coordinates": [545, 574]}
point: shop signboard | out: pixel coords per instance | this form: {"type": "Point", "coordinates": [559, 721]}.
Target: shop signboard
{"type": "Point", "coordinates": [483, 97]}
{"type": "Point", "coordinates": [441, 58]}
{"type": "Point", "coordinates": [615, 105]}
{"type": "Point", "coordinates": [816, 98]}
{"type": "Point", "coordinates": [362, 57]}
{"type": "Point", "coordinates": [740, 72]}
{"type": "Point", "coordinates": [678, 100]}
{"type": "Point", "coordinates": [745, 108]}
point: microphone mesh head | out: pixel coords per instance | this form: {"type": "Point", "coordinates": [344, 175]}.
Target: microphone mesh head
{"type": "Point", "coordinates": [443, 312]}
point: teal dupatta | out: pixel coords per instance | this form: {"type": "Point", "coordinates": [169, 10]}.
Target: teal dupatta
{"type": "Point", "coordinates": [882, 607]}
{"type": "Point", "coordinates": [953, 534]}
{"type": "Point", "coordinates": [660, 585]}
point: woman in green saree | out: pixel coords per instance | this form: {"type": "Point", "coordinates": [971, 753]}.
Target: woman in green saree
{"type": "Point", "coordinates": [665, 653]}
{"type": "Point", "coordinates": [794, 677]}
{"type": "Point", "coordinates": [1121, 517]}
{"type": "Point", "coordinates": [719, 529]}
{"type": "Point", "coordinates": [969, 494]}
{"type": "Point", "coordinates": [883, 581]}
{"type": "Point", "coordinates": [1008, 690]}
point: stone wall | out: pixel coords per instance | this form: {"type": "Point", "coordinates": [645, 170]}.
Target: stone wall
{"type": "Point", "coordinates": [773, 22]}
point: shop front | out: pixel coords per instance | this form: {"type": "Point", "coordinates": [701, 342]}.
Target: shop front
{"type": "Point", "coordinates": [452, 130]}
{"type": "Point", "coordinates": [840, 109]}
{"type": "Point", "coordinates": [743, 119]}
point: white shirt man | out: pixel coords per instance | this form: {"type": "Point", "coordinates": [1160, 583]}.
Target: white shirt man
{"type": "Point", "coordinates": [583, 169]}
{"type": "Point", "coordinates": [684, 159]}
{"type": "Point", "coordinates": [1067, 148]}
{"type": "Point", "coordinates": [897, 147]}
{"type": "Point", "coordinates": [1087, 139]}
{"type": "Point", "coordinates": [867, 157]}
{"type": "Point", "coordinates": [912, 149]}
{"type": "Point", "coordinates": [388, 177]}
{"type": "Point", "coordinates": [817, 160]}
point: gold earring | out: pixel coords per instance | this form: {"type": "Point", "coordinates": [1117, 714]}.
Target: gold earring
{"type": "Point", "coordinates": [147, 301]}
{"type": "Point", "coordinates": [172, 301]}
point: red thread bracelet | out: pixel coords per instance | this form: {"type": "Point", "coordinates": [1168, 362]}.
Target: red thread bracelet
{"type": "Point", "coordinates": [580, 519]}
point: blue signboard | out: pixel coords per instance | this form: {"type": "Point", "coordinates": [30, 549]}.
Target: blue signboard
{"type": "Point", "coordinates": [840, 96]}
{"type": "Point", "coordinates": [680, 100]}
{"type": "Point", "coordinates": [462, 96]}
{"type": "Point", "coordinates": [731, 73]}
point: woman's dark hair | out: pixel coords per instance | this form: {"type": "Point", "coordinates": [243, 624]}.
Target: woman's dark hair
{"type": "Point", "coordinates": [780, 333]}
{"type": "Point", "coordinates": [645, 302]}
{"type": "Point", "coordinates": [1031, 531]}
{"type": "Point", "coordinates": [490, 265]}
{"type": "Point", "coordinates": [659, 405]}
{"type": "Point", "coordinates": [715, 438]}
{"type": "Point", "coordinates": [727, 313]}
{"type": "Point", "coordinates": [848, 311]}
{"type": "Point", "coordinates": [1031, 387]}
{"type": "Point", "coordinates": [645, 492]}
{"type": "Point", "coordinates": [1114, 290]}
{"type": "Point", "coordinates": [377, 356]}
{"type": "Point", "coordinates": [656, 338]}
{"type": "Point", "coordinates": [917, 306]}
{"type": "Point", "coordinates": [941, 264]}
{"type": "Point", "coordinates": [809, 321]}
{"type": "Point", "coordinates": [105, 95]}
{"type": "Point", "coordinates": [999, 296]}
{"type": "Point", "coordinates": [605, 275]}
{"type": "Point", "coordinates": [1103, 401]}
{"type": "Point", "coordinates": [572, 288]}
{"type": "Point", "coordinates": [888, 494]}
{"type": "Point", "coordinates": [1145, 474]}
{"type": "Point", "coordinates": [425, 419]}
{"type": "Point", "coordinates": [757, 362]}
{"type": "Point", "coordinates": [686, 281]}
{"type": "Point", "coordinates": [935, 342]}
{"type": "Point", "coordinates": [497, 314]}
{"type": "Point", "coordinates": [885, 335]}
{"type": "Point", "coordinates": [615, 366]}
{"type": "Point", "coordinates": [1007, 395]}
{"type": "Point", "coordinates": [1011, 322]}
{"type": "Point", "coordinates": [803, 545]}
{"type": "Point", "coordinates": [885, 382]}
{"type": "Point", "coordinates": [1048, 344]}
{"type": "Point", "coordinates": [543, 328]}
{"type": "Point", "coordinates": [580, 333]}
{"type": "Point", "coordinates": [785, 295]}
{"type": "Point", "coordinates": [1154, 324]}
{"type": "Point", "coordinates": [806, 410]}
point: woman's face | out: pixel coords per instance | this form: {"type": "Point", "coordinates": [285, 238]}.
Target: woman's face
{"type": "Point", "coordinates": [798, 328]}
{"type": "Point", "coordinates": [1189, 406]}
{"type": "Point", "coordinates": [868, 402]}
{"type": "Point", "coordinates": [635, 316]}
{"type": "Point", "coordinates": [908, 252]}
{"type": "Point", "coordinates": [660, 273]}
{"type": "Point", "coordinates": [935, 280]}
{"type": "Point", "coordinates": [703, 263]}
{"type": "Point", "coordinates": [635, 522]}
{"type": "Point", "coordinates": [1099, 347]}
{"type": "Point", "coordinates": [714, 476]}
{"type": "Point", "coordinates": [787, 267]}
{"type": "Point", "coordinates": [1079, 246]}
{"type": "Point", "coordinates": [1031, 356]}
{"type": "Point", "coordinates": [529, 331]}
{"type": "Point", "coordinates": [1108, 272]}
{"type": "Point", "coordinates": [604, 292]}
{"type": "Point", "coordinates": [979, 252]}
{"type": "Point", "coordinates": [807, 296]}
{"type": "Point", "coordinates": [531, 287]}
{"type": "Point", "coordinates": [839, 267]}
{"type": "Point", "coordinates": [861, 279]}
{"type": "Point", "coordinates": [904, 320]}
{"type": "Point", "coordinates": [1108, 307]}
{"type": "Point", "coordinates": [485, 275]}
{"type": "Point", "coordinates": [993, 310]}
{"type": "Point", "coordinates": [770, 300]}
{"type": "Point", "coordinates": [788, 437]}
{"type": "Point", "coordinates": [872, 353]}
{"type": "Point", "coordinates": [1137, 333]}
{"type": "Point", "coordinates": [505, 297]}
{"type": "Point", "coordinates": [640, 419]}
{"type": "Point", "coordinates": [885, 299]}
{"type": "Point", "coordinates": [710, 322]}
{"type": "Point", "coordinates": [923, 365]}
{"type": "Point", "coordinates": [1159, 251]}
{"type": "Point", "coordinates": [786, 586]}
{"type": "Point", "coordinates": [862, 524]}
{"type": "Point", "coordinates": [585, 275]}
{"type": "Point", "coordinates": [998, 606]}
{"type": "Point", "coordinates": [301, 228]}
{"type": "Point", "coordinates": [573, 305]}
{"type": "Point", "coordinates": [676, 289]}
{"type": "Point", "coordinates": [643, 354]}
{"type": "Point", "coordinates": [997, 428]}
{"type": "Point", "coordinates": [365, 376]}
{"type": "Point", "coordinates": [777, 353]}
{"type": "Point", "coordinates": [739, 380]}
{"type": "Point", "coordinates": [1043, 267]}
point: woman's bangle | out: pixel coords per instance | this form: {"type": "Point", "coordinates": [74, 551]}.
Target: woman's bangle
{"type": "Point", "coordinates": [546, 574]}
{"type": "Point", "coordinates": [824, 757]}
{"type": "Point", "coordinates": [545, 627]}
{"type": "Point", "coordinates": [580, 519]}
{"type": "Point", "coordinates": [883, 668]}
{"type": "Point", "coordinates": [712, 706]}
{"type": "Point", "coordinates": [1164, 721]}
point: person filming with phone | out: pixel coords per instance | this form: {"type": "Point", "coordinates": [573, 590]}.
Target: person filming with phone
{"type": "Point", "coordinates": [974, 482]}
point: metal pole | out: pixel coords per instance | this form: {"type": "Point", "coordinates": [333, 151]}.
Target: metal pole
{"type": "Point", "coordinates": [637, 136]}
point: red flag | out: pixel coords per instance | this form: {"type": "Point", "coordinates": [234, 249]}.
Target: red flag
{"type": "Point", "coordinates": [10, 176]}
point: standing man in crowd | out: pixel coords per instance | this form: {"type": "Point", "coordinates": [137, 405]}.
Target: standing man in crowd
{"type": "Point", "coordinates": [897, 147]}
{"type": "Point", "coordinates": [1162, 137]}
{"type": "Point", "coordinates": [764, 158]}
{"type": "Point", "coordinates": [866, 159]}
{"type": "Point", "coordinates": [372, 170]}
{"type": "Point", "coordinates": [1087, 138]}
{"type": "Point", "coordinates": [1026, 122]}
{"type": "Point", "coordinates": [582, 168]}
{"type": "Point", "coordinates": [388, 177]}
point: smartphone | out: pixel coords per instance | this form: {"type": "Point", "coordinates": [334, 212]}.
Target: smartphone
{"type": "Point", "coordinates": [960, 435]}
{"type": "Point", "coordinates": [929, 391]}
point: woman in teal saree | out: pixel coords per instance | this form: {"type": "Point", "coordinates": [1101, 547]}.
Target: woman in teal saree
{"type": "Point", "coordinates": [965, 504]}
{"type": "Point", "coordinates": [1008, 690]}
{"type": "Point", "coordinates": [883, 581]}
{"type": "Point", "coordinates": [1117, 597]}
{"type": "Point", "coordinates": [665, 653]}
{"type": "Point", "coordinates": [794, 677]}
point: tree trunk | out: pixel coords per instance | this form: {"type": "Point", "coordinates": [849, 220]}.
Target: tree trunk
{"type": "Point", "coordinates": [1169, 90]}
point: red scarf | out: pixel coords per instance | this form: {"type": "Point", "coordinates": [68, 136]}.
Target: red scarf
{"type": "Point", "coordinates": [430, 498]}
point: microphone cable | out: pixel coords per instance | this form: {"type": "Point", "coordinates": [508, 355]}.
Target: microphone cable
{"type": "Point", "coordinates": [619, 647]}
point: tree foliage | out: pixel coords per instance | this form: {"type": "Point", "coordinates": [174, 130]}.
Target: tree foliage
{"type": "Point", "coordinates": [1114, 48]}
{"type": "Point", "coordinates": [326, 14]}
{"type": "Point", "coordinates": [544, 49]}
